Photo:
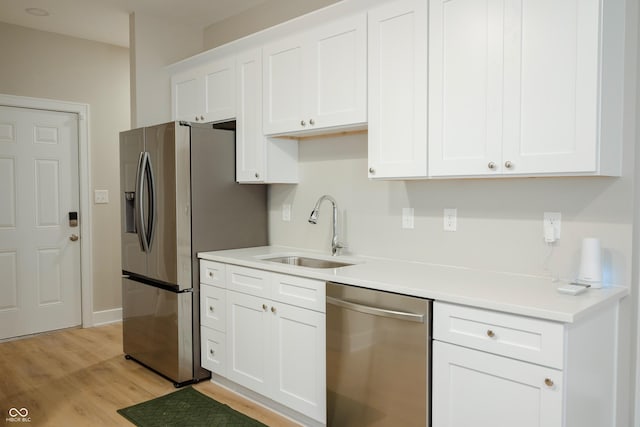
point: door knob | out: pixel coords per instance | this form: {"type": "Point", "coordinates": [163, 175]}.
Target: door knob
{"type": "Point", "coordinates": [73, 237]}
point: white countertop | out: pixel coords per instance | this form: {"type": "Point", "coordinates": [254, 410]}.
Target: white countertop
{"type": "Point", "coordinates": [511, 293]}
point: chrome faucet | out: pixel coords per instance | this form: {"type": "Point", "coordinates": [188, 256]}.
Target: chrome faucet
{"type": "Point", "coordinates": [313, 219]}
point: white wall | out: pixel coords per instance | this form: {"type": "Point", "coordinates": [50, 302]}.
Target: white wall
{"type": "Point", "coordinates": [156, 43]}
{"type": "Point", "coordinates": [46, 65]}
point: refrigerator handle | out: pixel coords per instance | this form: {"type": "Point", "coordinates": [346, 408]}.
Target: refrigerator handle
{"type": "Point", "coordinates": [140, 222]}
{"type": "Point", "coordinates": [151, 228]}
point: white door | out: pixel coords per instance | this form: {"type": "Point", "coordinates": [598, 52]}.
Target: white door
{"type": "Point", "coordinates": [39, 262]}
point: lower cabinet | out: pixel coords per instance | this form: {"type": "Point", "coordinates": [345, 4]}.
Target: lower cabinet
{"type": "Point", "coordinates": [474, 388]}
{"type": "Point", "coordinates": [269, 346]}
{"type": "Point", "coordinates": [277, 350]}
{"type": "Point", "coordinates": [495, 369]}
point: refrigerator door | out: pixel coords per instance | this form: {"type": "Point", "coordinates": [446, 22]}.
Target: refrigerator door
{"type": "Point", "coordinates": [157, 329]}
{"type": "Point", "coordinates": [169, 255]}
{"type": "Point", "coordinates": [134, 259]}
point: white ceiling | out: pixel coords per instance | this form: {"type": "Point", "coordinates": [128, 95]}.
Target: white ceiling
{"type": "Point", "coordinates": [108, 20]}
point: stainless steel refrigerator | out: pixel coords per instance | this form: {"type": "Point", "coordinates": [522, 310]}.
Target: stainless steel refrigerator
{"type": "Point", "coordinates": [179, 197]}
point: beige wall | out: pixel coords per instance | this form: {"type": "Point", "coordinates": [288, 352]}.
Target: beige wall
{"type": "Point", "coordinates": [253, 20]}
{"type": "Point", "coordinates": [45, 65]}
{"type": "Point", "coordinates": [156, 43]}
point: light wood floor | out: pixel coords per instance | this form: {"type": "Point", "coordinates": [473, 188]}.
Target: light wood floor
{"type": "Point", "coordinates": [79, 377]}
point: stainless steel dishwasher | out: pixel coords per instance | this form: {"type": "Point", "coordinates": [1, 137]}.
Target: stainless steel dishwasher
{"type": "Point", "coordinates": [378, 358]}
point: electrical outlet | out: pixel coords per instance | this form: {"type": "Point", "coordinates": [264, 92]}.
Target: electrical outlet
{"type": "Point", "coordinates": [551, 226]}
{"type": "Point", "coordinates": [450, 219]}
{"type": "Point", "coordinates": [100, 196]}
{"type": "Point", "coordinates": [286, 212]}
{"type": "Point", "coordinates": [407, 218]}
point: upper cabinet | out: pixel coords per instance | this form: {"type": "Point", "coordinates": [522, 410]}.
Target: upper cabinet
{"type": "Point", "coordinates": [398, 90]}
{"type": "Point", "coordinates": [316, 80]}
{"type": "Point", "coordinates": [518, 87]}
{"type": "Point", "coordinates": [259, 159]}
{"type": "Point", "coordinates": [205, 93]}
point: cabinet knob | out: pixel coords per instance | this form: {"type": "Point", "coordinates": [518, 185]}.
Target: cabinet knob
{"type": "Point", "coordinates": [211, 308]}
{"type": "Point", "coordinates": [211, 352]}
{"type": "Point", "coordinates": [508, 164]}
{"type": "Point", "coordinates": [197, 118]}
{"type": "Point", "coordinates": [303, 123]}
{"type": "Point", "coordinates": [257, 175]}
{"type": "Point", "coordinates": [201, 117]}
{"type": "Point", "coordinates": [74, 237]}
{"type": "Point", "coordinates": [490, 333]}
{"type": "Point", "coordinates": [264, 307]}
{"type": "Point", "coordinates": [211, 274]}
{"type": "Point", "coordinates": [372, 171]}
{"type": "Point", "coordinates": [312, 122]}
{"type": "Point", "coordinates": [273, 309]}
{"type": "Point", "coordinates": [491, 165]}
{"type": "Point", "coordinates": [548, 382]}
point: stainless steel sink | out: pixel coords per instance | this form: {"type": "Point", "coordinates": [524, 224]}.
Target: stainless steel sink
{"type": "Point", "coordinates": [302, 261]}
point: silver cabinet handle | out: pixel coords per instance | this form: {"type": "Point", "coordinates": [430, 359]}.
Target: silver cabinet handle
{"type": "Point", "coordinates": [273, 310]}
{"type": "Point", "coordinates": [303, 123]}
{"type": "Point", "coordinates": [202, 118]}
{"type": "Point", "coordinates": [508, 164]}
{"type": "Point", "coordinates": [257, 175]}
{"type": "Point", "coordinates": [264, 307]}
{"type": "Point", "coordinates": [491, 165]}
{"type": "Point", "coordinates": [376, 311]}
{"type": "Point", "coordinates": [196, 118]}
{"type": "Point", "coordinates": [372, 171]}
{"type": "Point", "coordinates": [74, 237]}
{"type": "Point", "coordinates": [312, 122]}
{"type": "Point", "coordinates": [211, 308]}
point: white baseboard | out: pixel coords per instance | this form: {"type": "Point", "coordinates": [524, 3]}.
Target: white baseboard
{"type": "Point", "coordinates": [105, 317]}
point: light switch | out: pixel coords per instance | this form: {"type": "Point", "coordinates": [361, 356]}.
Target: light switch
{"type": "Point", "coordinates": [407, 218]}
{"type": "Point", "coordinates": [100, 196]}
{"type": "Point", "coordinates": [286, 212]}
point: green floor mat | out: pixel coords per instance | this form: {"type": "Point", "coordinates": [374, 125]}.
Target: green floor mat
{"type": "Point", "coordinates": [185, 407]}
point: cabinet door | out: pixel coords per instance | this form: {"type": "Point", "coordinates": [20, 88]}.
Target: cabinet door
{"type": "Point", "coordinates": [299, 344]}
{"type": "Point", "coordinates": [219, 90]}
{"type": "Point", "coordinates": [337, 71]}
{"type": "Point", "coordinates": [473, 388]}
{"type": "Point", "coordinates": [248, 341]}
{"type": "Point", "coordinates": [213, 350]}
{"type": "Point", "coordinates": [250, 143]}
{"type": "Point", "coordinates": [283, 90]}
{"type": "Point", "coordinates": [465, 87]}
{"type": "Point", "coordinates": [398, 90]}
{"type": "Point", "coordinates": [187, 95]}
{"type": "Point", "coordinates": [551, 86]}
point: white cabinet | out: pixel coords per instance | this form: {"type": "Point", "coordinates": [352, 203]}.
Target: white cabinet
{"type": "Point", "coordinates": [277, 350]}
{"type": "Point", "coordinates": [473, 388]}
{"type": "Point", "coordinates": [266, 332]}
{"type": "Point", "coordinates": [502, 370]}
{"type": "Point", "coordinates": [398, 90]}
{"type": "Point", "coordinates": [317, 80]}
{"type": "Point", "coordinates": [259, 159]}
{"type": "Point", "coordinates": [516, 87]}
{"type": "Point", "coordinates": [213, 316]}
{"type": "Point", "coordinates": [205, 93]}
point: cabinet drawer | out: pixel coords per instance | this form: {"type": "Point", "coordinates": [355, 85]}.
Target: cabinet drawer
{"type": "Point", "coordinates": [213, 354]}
{"type": "Point", "coordinates": [524, 338]}
{"type": "Point", "coordinates": [212, 307]}
{"type": "Point", "coordinates": [212, 273]}
{"type": "Point", "coordinates": [249, 281]}
{"type": "Point", "coordinates": [299, 291]}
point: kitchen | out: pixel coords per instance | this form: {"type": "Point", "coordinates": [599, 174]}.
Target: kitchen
{"type": "Point", "coordinates": [499, 221]}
